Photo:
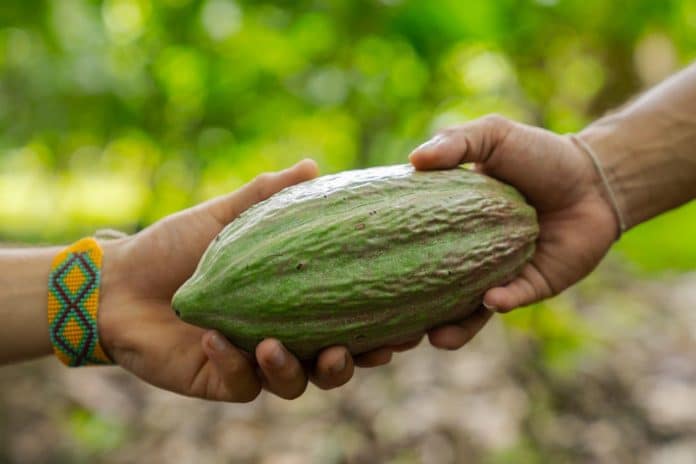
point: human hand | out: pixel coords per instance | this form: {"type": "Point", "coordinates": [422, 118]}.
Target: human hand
{"type": "Point", "coordinates": [141, 332]}
{"type": "Point", "coordinates": [576, 222]}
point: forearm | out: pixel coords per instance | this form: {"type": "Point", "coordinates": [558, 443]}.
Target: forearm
{"type": "Point", "coordinates": [648, 149]}
{"type": "Point", "coordinates": [24, 331]}
{"type": "Point", "coordinates": [23, 297]}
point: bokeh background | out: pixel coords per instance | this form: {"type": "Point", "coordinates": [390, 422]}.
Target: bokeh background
{"type": "Point", "coordinates": [115, 113]}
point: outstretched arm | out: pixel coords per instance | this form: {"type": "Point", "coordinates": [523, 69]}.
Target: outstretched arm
{"type": "Point", "coordinates": [23, 296]}
{"type": "Point", "coordinates": [137, 326]}
{"type": "Point", "coordinates": [648, 150]}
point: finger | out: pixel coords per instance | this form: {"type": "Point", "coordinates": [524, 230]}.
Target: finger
{"type": "Point", "coordinates": [440, 152]}
{"type": "Point", "coordinates": [406, 345]}
{"type": "Point", "coordinates": [529, 287]}
{"type": "Point", "coordinates": [227, 207]}
{"type": "Point", "coordinates": [374, 358]}
{"type": "Point", "coordinates": [454, 336]}
{"type": "Point", "coordinates": [334, 367]}
{"type": "Point", "coordinates": [471, 142]}
{"type": "Point", "coordinates": [283, 373]}
{"type": "Point", "coordinates": [233, 379]}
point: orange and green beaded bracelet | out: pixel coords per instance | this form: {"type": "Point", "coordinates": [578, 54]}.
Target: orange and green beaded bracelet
{"type": "Point", "coordinates": [73, 301]}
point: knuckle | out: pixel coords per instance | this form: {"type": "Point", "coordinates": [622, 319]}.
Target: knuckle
{"type": "Point", "coordinates": [263, 185]}
{"type": "Point", "coordinates": [235, 367]}
{"type": "Point", "coordinates": [263, 178]}
{"type": "Point", "coordinates": [496, 119]}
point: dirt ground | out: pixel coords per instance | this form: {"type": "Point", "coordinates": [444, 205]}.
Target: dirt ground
{"type": "Point", "coordinates": [605, 373]}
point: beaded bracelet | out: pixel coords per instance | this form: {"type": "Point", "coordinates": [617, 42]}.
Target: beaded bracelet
{"type": "Point", "coordinates": [73, 300]}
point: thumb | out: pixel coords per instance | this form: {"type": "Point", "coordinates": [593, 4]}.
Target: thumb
{"type": "Point", "coordinates": [473, 142]}
{"type": "Point", "coordinates": [227, 207]}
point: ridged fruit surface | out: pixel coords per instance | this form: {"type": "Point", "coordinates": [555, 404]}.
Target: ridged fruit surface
{"type": "Point", "coordinates": [361, 258]}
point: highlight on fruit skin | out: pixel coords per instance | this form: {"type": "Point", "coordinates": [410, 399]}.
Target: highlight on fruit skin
{"type": "Point", "coordinates": [362, 258]}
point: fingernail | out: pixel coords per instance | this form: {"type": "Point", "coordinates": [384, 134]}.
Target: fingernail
{"type": "Point", "coordinates": [429, 144]}
{"type": "Point", "coordinates": [490, 307]}
{"type": "Point", "coordinates": [217, 342]}
{"type": "Point", "coordinates": [339, 365]}
{"type": "Point", "coordinates": [277, 358]}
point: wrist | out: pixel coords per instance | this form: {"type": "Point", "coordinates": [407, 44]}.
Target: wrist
{"type": "Point", "coordinates": [648, 149]}
{"type": "Point", "coordinates": [601, 185]}
{"type": "Point", "coordinates": [615, 161]}
{"type": "Point", "coordinates": [115, 289]}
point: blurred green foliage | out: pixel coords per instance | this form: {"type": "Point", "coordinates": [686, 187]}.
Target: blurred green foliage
{"type": "Point", "coordinates": [565, 338]}
{"type": "Point", "coordinates": [117, 112]}
{"type": "Point", "coordinates": [94, 434]}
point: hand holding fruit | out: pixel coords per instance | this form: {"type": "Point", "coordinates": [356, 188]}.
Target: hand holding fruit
{"type": "Point", "coordinates": [576, 223]}
{"type": "Point", "coordinates": [142, 334]}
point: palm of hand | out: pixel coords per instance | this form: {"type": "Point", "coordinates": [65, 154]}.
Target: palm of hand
{"type": "Point", "coordinates": [159, 347]}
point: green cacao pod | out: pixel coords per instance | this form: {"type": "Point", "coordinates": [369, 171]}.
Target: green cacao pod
{"type": "Point", "coordinates": [361, 258]}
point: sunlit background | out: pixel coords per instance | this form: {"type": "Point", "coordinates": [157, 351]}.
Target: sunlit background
{"type": "Point", "coordinates": [116, 113]}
